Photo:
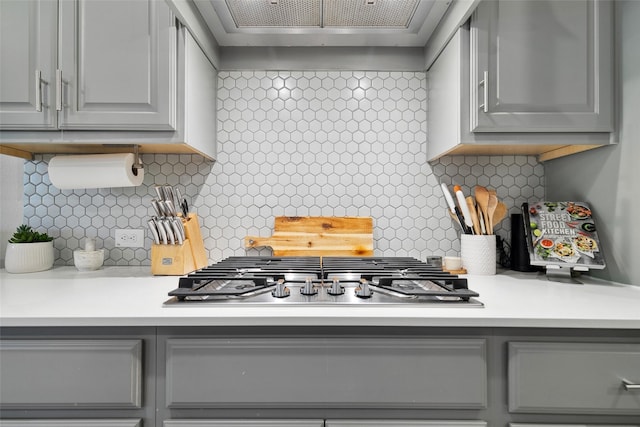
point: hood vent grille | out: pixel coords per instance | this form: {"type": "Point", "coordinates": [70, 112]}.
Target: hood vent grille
{"type": "Point", "coordinates": [386, 14]}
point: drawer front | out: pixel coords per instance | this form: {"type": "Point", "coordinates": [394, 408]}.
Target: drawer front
{"type": "Point", "coordinates": [573, 378]}
{"type": "Point", "coordinates": [84, 374]}
{"type": "Point", "coordinates": [571, 425]}
{"type": "Point", "coordinates": [72, 423]}
{"type": "Point", "coordinates": [326, 372]}
{"type": "Point", "coordinates": [403, 423]}
{"type": "Point", "coordinates": [244, 423]}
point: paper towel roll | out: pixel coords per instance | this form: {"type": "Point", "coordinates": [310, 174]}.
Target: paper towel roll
{"type": "Point", "coordinates": [94, 171]}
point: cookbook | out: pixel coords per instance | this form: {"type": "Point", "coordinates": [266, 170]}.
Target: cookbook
{"type": "Point", "coordinates": [563, 234]}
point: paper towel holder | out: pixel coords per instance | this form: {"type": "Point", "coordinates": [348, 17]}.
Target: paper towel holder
{"type": "Point", "coordinates": [137, 164]}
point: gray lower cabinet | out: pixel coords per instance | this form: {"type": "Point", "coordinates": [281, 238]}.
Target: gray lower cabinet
{"type": "Point", "coordinates": [244, 423]}
{"type": "Point", "coordinates": [77, 377]}
{"type": "Point", "coordinates": [326, 372]}
{"type": "Point", "coordinates": [403, 423]}
{"type": "Point", "coordinates": [95, 374]}
{"type": "Point", "coordinates": [574, 378]}
{"type": "Point", "coordinates": [72, 423]}
{"type": "Point", "coordinates": [571, 425]}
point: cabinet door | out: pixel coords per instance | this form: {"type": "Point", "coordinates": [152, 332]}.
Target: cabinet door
{"type": "Point", "coordinates": [542, 66]}
{"type": "Point", "coordinates": [118, 62]}
{"type": "Point", "coordinates": [27, 63]}
{"type": "Point", "coordinates": [326, 373]}
{"type": "Point", "coordinates": [72, 423]}
{"type": "Point", "coordinates": [569, 425]}
{"type": "Point", "coordinates": [574, 378]}
{"type": "Point", "coordinates": [96, 374]}
{"type": "Point", "coordinates": [243, 423]}
{"type": "Point", "coordinates": [403, 423]}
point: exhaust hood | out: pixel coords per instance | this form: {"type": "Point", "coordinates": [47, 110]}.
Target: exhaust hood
{"type": "Point", "coordinates": [407, 23]}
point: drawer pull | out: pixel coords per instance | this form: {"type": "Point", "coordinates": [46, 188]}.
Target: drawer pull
{"type": "Point", "coordinates": [38, 90]}
{"type": "Point", "coordinates": [628, 385]}
{"type": "Point", "coordinates": [58, 90]}
{"type": "Point", "coordinates": [485, 90]}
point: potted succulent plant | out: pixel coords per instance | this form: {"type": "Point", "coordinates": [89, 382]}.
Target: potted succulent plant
{"type": "Point", "coordinates": [29, 251]}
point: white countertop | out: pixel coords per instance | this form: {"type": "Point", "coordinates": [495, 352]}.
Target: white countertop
{"type": "Point", "coordinates": [130, 296]}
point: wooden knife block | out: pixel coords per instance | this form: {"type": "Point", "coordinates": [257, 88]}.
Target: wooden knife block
{"type": "Point", "coordinates": [178, 260]}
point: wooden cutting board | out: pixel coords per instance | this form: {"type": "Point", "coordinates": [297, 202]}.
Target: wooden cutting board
{"type": "Point", "coordinates": [318, 236]}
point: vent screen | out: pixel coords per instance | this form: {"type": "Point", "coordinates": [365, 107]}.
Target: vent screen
{"type": "Point", "coordinates": [369, 13]}
{"type": "Point", "coordinates": [276, 13]}
{"type": "Point", "coordinates": [322, 13]}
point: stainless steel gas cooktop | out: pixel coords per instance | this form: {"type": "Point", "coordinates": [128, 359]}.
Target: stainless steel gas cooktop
{"type": "Point", "coordinates": [323, 281]}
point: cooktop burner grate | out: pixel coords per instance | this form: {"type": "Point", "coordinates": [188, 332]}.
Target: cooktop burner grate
{"type": "Point", "coordinates": [327, 280]}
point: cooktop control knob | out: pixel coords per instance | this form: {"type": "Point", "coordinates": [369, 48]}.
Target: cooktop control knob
{"type": "Point", "coordinates": [363, 290]}
{"type": "Point", "coordinates": [281, 291]}
{"type": "Point", "coordinates": [308, 288]}
{"type": "Point", "coordinates": [336, 288]}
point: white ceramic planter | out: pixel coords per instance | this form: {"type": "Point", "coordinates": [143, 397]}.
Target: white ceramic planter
{"type": "Point", "coordinates": [28, 257]}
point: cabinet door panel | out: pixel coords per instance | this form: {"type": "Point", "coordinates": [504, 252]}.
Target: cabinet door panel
{"type": "Point", "coordinates": [403, 423]}
{"type": "Point", "coordinates": [574, 378]}
{"type": "Point", "coordinates": [569, 425]}
{"type": "Point", "coordinates": [118, 65]}
{"type": "Point", "coordinates": [547, 66]}
{"type": "Point", "coordinates": [70, 374]}
{"type": "Point", "coordinates": [287, 372]}
{"type": "Point", "coordinates": [27, 44]}
{"type": "Point", "coordinates": [72, 423]}
{"type": "Point", "coordinates": [243, 423]}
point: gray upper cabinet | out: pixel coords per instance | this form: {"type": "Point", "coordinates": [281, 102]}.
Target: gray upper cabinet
{"type": "Point", "coordinates": [524, 77]}
{"type": "Point", "coordinates": [126, 67]}
{"type": "Point", "coordinates": [542, 66]}
{"type": "Point", "coordinates": [117, 64]}
{"type": "Point", "coordinates": [112, 68]}
{"type": "Point", "coordinates": [28, 59]}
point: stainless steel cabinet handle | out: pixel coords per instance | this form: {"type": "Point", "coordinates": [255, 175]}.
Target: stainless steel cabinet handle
{"type": "Point", "coordinates": [38, 90]}
{"type": "Point", "coordinates": [485, 89]}
{"type": "Point", "coordinates": [628, 385]}
{"type": "Point", "coordinates": [58, 90]}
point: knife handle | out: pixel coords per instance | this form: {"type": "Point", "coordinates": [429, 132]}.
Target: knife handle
{"type": "Point", "coordinates": [154, 231]}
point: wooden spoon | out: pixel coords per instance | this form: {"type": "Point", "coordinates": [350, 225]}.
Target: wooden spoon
{"type": "Point", "coordinates": [482, 197]}
{"type": "Point", "coordinates": [500, 213]}
{"type": "Point", "coordinates": [491, 208]}
{"type": "Point", "coordinates": [474, 215]}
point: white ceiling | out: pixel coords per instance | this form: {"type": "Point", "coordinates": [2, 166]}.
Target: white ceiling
{"type": "Point", "coordinates": [355, 22]}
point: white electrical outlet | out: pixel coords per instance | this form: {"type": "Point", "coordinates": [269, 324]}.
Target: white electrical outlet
{"type": "Point", "coordinates": [130, 238]}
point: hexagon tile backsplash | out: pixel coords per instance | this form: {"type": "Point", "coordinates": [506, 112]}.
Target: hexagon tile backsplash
{"type": "Point", "coordinates": [295, 144]}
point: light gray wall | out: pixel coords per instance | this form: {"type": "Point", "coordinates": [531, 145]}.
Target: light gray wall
{"type": "Point", "coordinates": [609, 178]}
